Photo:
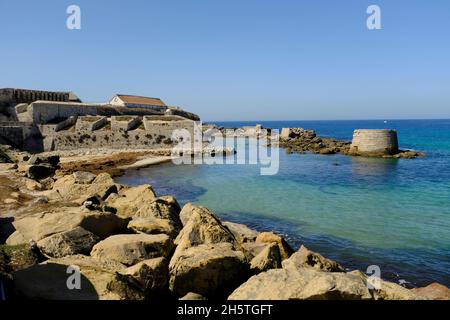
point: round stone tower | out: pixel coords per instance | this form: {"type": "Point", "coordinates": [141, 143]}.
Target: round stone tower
{"type": "Point", "coordinates": [374, 142]}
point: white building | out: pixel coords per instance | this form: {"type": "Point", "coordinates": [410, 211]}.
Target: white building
{"type": "Point", "coordinates": [128, 101]}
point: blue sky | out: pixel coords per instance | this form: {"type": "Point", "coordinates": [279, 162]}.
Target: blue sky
{"type": "Point", "coordinates": [238, 59]}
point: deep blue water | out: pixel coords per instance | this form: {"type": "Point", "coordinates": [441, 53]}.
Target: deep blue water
{"type": "Point", "coordinates": [358, 211]}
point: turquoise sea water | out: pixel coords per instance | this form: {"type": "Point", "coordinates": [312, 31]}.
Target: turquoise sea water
{"type": "Point", "coordinates": [358, 211]}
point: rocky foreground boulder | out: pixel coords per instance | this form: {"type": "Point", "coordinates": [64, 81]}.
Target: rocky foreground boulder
{"type": "Point", "coordinates": [212, 270]}
{"type": "Point", "coordinates": [129, 249]}
{"type": "Point", "coordinates": [38, 226]}
{"type": "Point", "coordinates": [303, 278]}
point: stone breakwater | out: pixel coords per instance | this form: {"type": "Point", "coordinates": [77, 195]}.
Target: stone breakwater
{"type": "Point", "coordinates": [367, 143]}
{"type": "Point", "coordinates": [130, 243]}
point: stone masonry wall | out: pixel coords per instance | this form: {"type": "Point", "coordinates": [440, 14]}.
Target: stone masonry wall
{"type": "Point", "coordinates": [151, 135]}
{"type": "Point", "coordinates": [374, 141]}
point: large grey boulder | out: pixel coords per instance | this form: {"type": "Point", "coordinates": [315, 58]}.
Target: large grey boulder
{"type": "Point", "coordinates": [42, 225]}
{"type": "Point", "coordinates": [72, 242]}
{"type": "Point", "coordinates": [49, 280]}
{"type": "Point", "coordinates": [307, 258]}
{"type": "Point", "coordinates": [130, 249]}
{"type": "Point", "coordinates": [211, 270]}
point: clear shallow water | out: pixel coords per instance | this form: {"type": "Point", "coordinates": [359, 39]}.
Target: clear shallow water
{"type": "Point", "coordinates": [391, 213]}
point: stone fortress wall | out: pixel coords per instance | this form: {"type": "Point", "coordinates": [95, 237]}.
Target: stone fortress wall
{"type": "Point", "coordinates": [370, 141]}
{"type": "Point", "coordinates": [63, 124]}
{"type": "Point", "coordinates": [117, 132]}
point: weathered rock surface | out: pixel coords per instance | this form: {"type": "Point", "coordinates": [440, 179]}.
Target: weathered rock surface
{"type": "Point", "coordinates": [193, 296]}
{"type": "Point", "coordinates": [201, 226]}
{"type": "Point", "coordinates": [241, 232]}
{"type": "Point", "coordinates": [433, 291]}
{"type": "Point", "coordinates": [130, 249]}
{"type": "Point", "coordinates": [309, 283]}
{"type": "Point", "coordinates": [269, 237]}
{"type": "Point", "coordinates": [50, 280]}
{"type": "Point", "coordinates": [212, 270]}
{"type": "Point", "coordinates": [307, 258]}
{"type": "Point", "coordinates": [150, 276]}
{"type": "Point", "coordinates": [160, 215]}
{"type": "Point", "coordinates": [83, 177]}
{"type": "Point", "coordinates": [268, 258]}
{"type": "Point", "coordinates": [72, 242]}
{"type": "Point", "coordinates": [131, 200]}
{"type": "Point", "coordinates": [152, 225]}
{"type": "Point", "coordinates": [302, 284]}
{"type": "Point", "coordinates": [41, 225]}
{"type": "Point", "coordinates": [67, 188]}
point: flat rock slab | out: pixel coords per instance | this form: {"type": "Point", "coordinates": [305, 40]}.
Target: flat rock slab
{"type": "Point", "coordinates": [130, 249]}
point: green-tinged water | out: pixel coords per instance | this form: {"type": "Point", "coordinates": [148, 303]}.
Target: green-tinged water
{"type": "Point", "coordinates": [359, 211]}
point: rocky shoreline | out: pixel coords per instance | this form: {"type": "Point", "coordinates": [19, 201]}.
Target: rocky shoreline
{"type": "Point", "coordinates": [130, 243]}
{"type": "Point", "coordinates": [299, 140]}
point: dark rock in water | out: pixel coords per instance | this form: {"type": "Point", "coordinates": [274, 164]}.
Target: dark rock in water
{"type": "Point", "coordinates": [40, 171]}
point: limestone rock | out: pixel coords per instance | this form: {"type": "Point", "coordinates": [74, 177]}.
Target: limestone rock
{"type": "Point", "coordinates": [393, 291]}
{"type": "Point", "coordinates": [212, 270]}
{"type": "Point", "coordinates": [307, 258]}
{"type": "Point", "coordinates": [83, 177]}
{"type": "Point", "coordinates": [41, 225]}
{"type": "Point", "coordinates": [33, 185]}
{"type": "Point", "coordinates": [191, 296]}
{"type": "Point", "coordinates": [252, 249]}
{"type": "Point", "coordinates": [269, 237]}
{"type": "Point", "coordinates": [49, 280]}
{"type": "Point", "coordinates": [268, 258]}
{"type": "Point", "coordinates": [75, 241]}
{"type": "Point", "coordinates": [130, 200]}
{"type": "Point", "coordinates": [201, 226]}
{"type": "Point", "coordinates": [302, 284]}
{"type": "Point", "coordinates": [434, 291]}
{"type": "Point", "coordinates": [16, 238]}
{"type": "Point", "coordinates": [130, 249]}
{"type": "Point", "coordinates": [152, 225]}
{"type": "Point", "coordinates": [151, 276]}
{"type": "Point", "coordinates": [67, 188]}
{"type": "Point", "coordinates": [241, 232]}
